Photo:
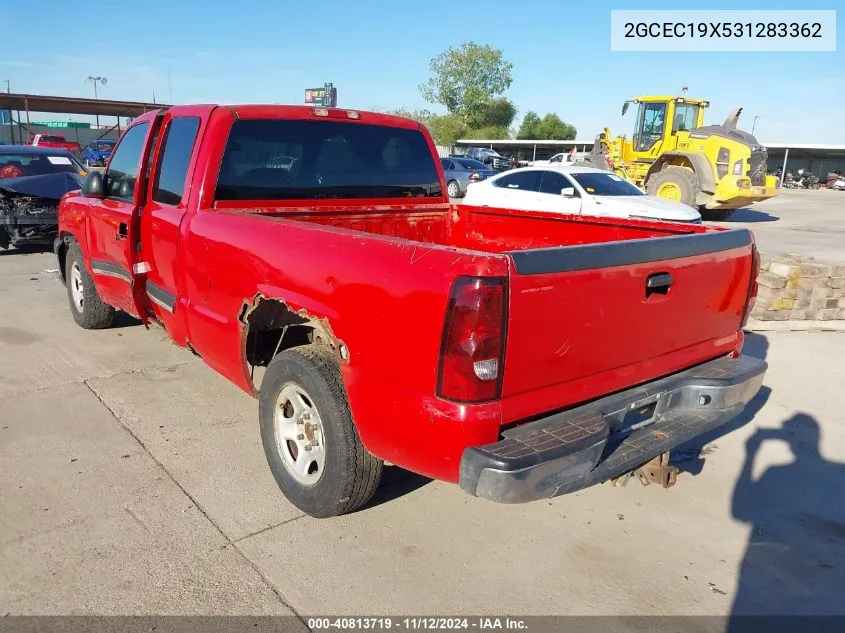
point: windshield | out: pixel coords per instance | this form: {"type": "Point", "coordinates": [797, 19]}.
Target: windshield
{"type": "Point", "coordinates": [20, 165]}
{"type": "Point", "coordinates": [287, 160]}
{"type": "Point", "coordinates": [469, 163]}
{"type": "Point", "coordinates": [605, 184]}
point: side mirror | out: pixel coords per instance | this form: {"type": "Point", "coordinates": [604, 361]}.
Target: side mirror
{"type": "Point", "coordinates": [92, 186]}
{"type": "Point", "coordinates": [127, 188]}
{"type": "Point", "coordinates": [625, 108]}
{"type": "Point", "coordinates": [568, 192]}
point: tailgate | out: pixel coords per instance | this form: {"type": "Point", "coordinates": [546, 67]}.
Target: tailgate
{"type": "Point", "coordinates": [588, 320]}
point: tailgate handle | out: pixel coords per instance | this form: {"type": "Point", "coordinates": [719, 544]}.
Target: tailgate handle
{"type": "Point", "coordinates": [658, 283]}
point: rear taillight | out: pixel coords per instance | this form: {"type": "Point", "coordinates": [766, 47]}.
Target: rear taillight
{"type": "Point", "coordinates": [472, 352]}
{"type": "Point", "coordinates": [751, 299]}
{"type": "Point", "coordinates": [475, 177]}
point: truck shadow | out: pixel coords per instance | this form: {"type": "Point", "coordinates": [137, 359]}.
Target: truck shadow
{"type": "Point", "coordinates": [395, 482]}
{"type": "Point", "coordinates": [122, 319]}
{"type": "Point", "coordinates": [25, 250]}
{"type": "Point", "coordinates": [690, 457]}
{"type": "Point", "coordinates": [795, 560]}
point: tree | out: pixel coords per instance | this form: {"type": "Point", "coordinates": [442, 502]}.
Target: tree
{"type": "Point", "coordinates": [496, 112]}
{"type": "Point", "coordinates": [423, 116]}
{"type": "Point", "coordinates": [553, 128]}
{"type": "Point", "coordinates": [446, 129]}
{"type": "Point", "coordinates": [528, 128]}
{"type": "Point", "coordinates": [465, 79]}
{"type": "Point", "coordinates": [550, 127]}
{"type": "Point", "coordinates": [488, 132]}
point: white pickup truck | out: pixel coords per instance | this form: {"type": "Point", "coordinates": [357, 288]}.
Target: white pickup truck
{"type": "Point", "coordinates": [564, 158]}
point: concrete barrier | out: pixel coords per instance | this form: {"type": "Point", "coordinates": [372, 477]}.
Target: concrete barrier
{"type": "Point", "coordinates": [799, 288]}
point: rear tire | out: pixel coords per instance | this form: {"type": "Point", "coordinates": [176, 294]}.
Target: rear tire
{"type": "Point", "coordinates": [675, 183]}
{"type": "Point", "coordinates": [310, 441]}
{"type": "Point", "coordinates": [453, 189]}
{"type": "Point", "coordinates": [88, 310]}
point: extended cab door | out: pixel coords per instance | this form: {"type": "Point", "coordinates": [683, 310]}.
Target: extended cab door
{"type": "Point", "coordinates": [109, 218]}
{"type": "Point", "coordinates": [167, 201]}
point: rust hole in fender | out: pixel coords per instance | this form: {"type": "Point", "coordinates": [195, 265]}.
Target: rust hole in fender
{"type": "Point", "coordinates": [269, 326]}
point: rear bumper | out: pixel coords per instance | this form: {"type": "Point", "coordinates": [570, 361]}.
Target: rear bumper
{"type": "Point", "coordinates": [568, 451]}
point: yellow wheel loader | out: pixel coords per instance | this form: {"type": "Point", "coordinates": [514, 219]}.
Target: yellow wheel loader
{"type": "Point", "coordinates": [673, 155]}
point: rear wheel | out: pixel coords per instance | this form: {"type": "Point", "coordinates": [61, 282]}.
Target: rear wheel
{"type": "Point", "coordinates": [310, 441]}
{"type": "Point", "coordinates": [678, 184]}
{"type": "Point", "coordinates": [453, 189]}
{"type": "Point", "coordinates": [88, 310]}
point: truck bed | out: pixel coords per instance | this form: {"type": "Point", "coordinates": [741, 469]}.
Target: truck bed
{"type": "Point", "coordinates": [581, 321]}
{"type": "Point", "coordinates": [486, 229]}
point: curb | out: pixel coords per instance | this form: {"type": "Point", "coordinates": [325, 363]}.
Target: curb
{"type": "Point", "coordinates": [755, 325]}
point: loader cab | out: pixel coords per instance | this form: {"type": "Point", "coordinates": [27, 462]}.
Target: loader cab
{"type": "Point", "coordinates": [658, 122]}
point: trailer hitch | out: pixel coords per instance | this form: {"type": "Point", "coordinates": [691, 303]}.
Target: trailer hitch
{"type": "Point", "coordinates": [656, 471]}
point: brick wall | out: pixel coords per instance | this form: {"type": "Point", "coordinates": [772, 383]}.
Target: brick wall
{"type": "Point", "coordinates": [796, 288]}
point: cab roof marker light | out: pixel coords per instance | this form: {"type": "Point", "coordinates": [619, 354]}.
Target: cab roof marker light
{"type": "Point", "coordinates": [320, 112]}
{"type": "Point", "coordinates": [352, 114]}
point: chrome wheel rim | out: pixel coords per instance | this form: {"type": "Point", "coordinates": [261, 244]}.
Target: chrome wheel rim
{"type": "Point", "coordinates": [452, 190]}
{"type": "Point", "coordinates": [298, 432]}
{"type": "Point", "coordinates": [76, 288]}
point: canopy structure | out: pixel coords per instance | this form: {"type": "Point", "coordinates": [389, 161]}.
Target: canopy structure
{"type": "Point", "coordinates": [24, 104]}
{"type": "Point", "coordinates": [74, 105]}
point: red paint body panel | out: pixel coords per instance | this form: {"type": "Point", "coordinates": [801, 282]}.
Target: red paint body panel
{"type": "Point", "coordinates": [379, 273]}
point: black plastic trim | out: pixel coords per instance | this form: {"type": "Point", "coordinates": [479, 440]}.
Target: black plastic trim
{"type": "Point", "coordinates": [110, 270]}
{"type": "Point", "coordinates": [636, 251]}
{"type": "Point", "coordinates": [161, 297]}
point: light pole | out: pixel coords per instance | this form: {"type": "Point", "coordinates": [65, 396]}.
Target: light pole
{"type": "Point", "coordinates": [95, 81]}
{"type": "Point", "coordinates": [754, 124]}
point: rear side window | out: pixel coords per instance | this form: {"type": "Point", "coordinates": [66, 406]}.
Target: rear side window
{"type": "Point", "coordinates": [288, 160]}
{"type": "Point", "coordinates": [123, 168]}
{"type": "Point", "coordinates": [519, 179]}
{"type": "Point", "coordinates": [553, 182]}
{"type": "Point", "coordinates": [179, 138]}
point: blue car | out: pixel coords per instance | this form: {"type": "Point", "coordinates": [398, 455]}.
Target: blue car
{"type": "Point", "coordinates": [97, 153]}
{"type": "Point", "coordinates": [461, 172]}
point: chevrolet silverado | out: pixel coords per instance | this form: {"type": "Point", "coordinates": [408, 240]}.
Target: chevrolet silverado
{"type": "Point", "coordinates": [311, 256]}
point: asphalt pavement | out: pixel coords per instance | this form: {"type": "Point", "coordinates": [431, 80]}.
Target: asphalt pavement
{"type": "Point", "coordinates": [134, 482]}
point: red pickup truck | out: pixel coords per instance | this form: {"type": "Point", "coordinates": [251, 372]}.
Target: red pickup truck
{"type": "Point", "coordinates": [57, 141]}
{"type": "Point", "coordinates": [311, 256]}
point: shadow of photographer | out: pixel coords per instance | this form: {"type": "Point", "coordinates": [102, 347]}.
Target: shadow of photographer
{"type": "Point", "coordinates": [795, 560]}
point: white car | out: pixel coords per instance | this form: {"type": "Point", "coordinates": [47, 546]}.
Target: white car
{"type": "Point", "coordinates": [574, 190]}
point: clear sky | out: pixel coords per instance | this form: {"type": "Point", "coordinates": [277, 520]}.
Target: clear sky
{"type": "Point", "coordinates": [376, 53]}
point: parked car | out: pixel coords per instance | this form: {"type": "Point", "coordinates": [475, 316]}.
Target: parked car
{"type": "Point", "coordinates": [374, 321]}
{"type": "Point", "coordinates": [489, 157]}
{"type": "Point", "coordinates": [460, 172]}
{"type": "Point", "coordinates": [96, 153]}
{"type": "Point", "coordinates": [55, 140]}
{"type": "Point", "coordinates": [575, 191]}
{"type": "Point", "coordinates": [32, 180]}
